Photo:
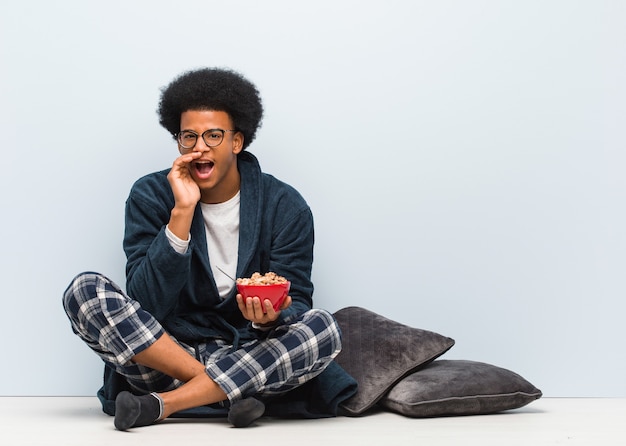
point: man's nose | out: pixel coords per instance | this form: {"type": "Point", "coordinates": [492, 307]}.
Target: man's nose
{"type": "Point", "coordinates": [201, 146]}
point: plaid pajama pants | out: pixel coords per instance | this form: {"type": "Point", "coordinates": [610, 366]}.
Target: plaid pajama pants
{"type": "Point", "coordinates": [116, 328]}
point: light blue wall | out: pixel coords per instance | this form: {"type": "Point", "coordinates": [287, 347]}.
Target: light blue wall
{"type": "Point", "coordinates": [464, 160]}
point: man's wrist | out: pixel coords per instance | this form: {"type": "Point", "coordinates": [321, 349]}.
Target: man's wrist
{"type": "Point", "coordinates": [180, 222]}
{"type": "Point", "coordinates": [179, 245]}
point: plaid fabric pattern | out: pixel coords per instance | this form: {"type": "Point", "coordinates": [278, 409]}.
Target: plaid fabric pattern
{"type": "Point", "coordinates": [290, 356]}
{"type": "Point", "coordinates": [116, 328]}
{"type": "Point", "coordinates": [111, 323]}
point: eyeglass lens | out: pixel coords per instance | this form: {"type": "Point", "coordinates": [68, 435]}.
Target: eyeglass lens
{"type": "Point", "coordinates": [213, 137]}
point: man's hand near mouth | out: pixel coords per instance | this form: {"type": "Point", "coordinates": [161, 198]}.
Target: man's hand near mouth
{"type": "Point", "coordinates": [186, 194]}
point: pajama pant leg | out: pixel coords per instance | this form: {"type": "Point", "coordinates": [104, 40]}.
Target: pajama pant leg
{"type": "Point", "coordinates": [116, 328]}
{"type": "Point", "coordinates": [291, 355]}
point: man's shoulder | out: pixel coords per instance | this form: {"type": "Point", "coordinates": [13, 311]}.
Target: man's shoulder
{"type": "Point", "coordinates": [276, 185]}
{"type": "Point", "coordinates": [153, 179]}
{"type": "Point", "coordinates": [272, 186]}
{"type": "Point", "coordinates": [151, 186]}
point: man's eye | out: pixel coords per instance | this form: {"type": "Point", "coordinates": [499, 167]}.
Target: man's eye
{"type": "Point", "coordinates": [214, 135]}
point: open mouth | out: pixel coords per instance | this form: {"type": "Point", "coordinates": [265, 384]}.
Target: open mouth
{"type": "Point", "coordinates": [203, 168]}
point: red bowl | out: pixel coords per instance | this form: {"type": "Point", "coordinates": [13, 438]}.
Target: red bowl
{"type": "Point", "coordinates": [276, 293]}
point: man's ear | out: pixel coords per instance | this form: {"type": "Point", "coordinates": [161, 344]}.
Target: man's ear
{"type": "Point", "coordinates": [237, 143]}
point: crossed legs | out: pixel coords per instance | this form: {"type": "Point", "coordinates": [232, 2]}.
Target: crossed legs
{"type": "Point", "coordinates": [132, 342]}
{"type": "Point", "coordinates": [91, 302]}
{"type": "Point", "coordinates": [169, 358]}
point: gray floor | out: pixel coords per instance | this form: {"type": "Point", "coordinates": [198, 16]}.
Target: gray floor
{"type": "Point", "coordinates": [79, 421]}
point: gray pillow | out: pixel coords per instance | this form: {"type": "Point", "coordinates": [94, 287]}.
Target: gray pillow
{"type": "Point", "coordinates": [456, 387]}
{"type": "Point", "coordinates": [379, 352]}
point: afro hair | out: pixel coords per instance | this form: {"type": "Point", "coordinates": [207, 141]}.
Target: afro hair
{"type": "Point", "coordinates": [215, 89]}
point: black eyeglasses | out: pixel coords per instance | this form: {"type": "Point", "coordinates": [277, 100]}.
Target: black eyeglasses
{"type": "Point", "coordinates": [187, 139]}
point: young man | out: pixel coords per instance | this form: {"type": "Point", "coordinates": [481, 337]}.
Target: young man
{"type": "Point", "coordinates": [182, 337]}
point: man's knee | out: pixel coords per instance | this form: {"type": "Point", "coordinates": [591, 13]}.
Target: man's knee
{"type": "Point", "coordinates": [84, 287]}
{"type": "Point", "coordinates": [326, 329]}
{"type": "Point", "coordinates": [80, 289]}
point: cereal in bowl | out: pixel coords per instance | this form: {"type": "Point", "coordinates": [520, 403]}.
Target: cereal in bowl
{"type": "Point", "coordinates": [269, 278]}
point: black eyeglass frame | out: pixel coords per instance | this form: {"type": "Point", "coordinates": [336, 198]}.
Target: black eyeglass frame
{"type": "Point", "coordinates": [207, 142]}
